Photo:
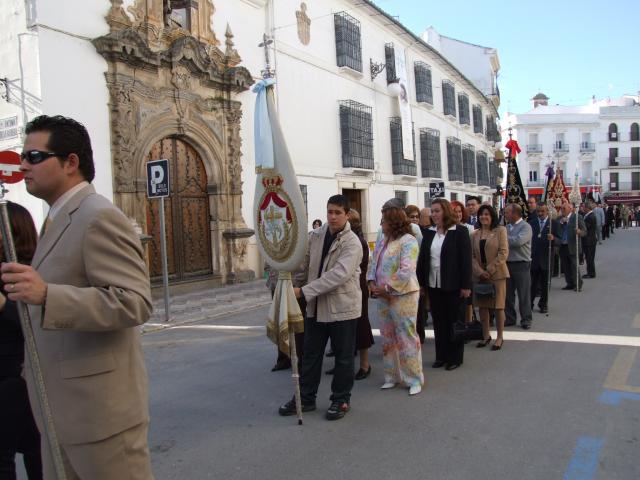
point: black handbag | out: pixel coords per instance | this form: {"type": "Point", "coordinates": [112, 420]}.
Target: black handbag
{"type": "Point", "coordinates": [484, 290]}
{"type": "Point", "coordinates": [463, 331]}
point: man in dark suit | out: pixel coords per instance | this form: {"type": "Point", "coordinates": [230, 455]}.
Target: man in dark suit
{"type": "Point", "coordinates": [590, 240]}
{"type": "Point", "coordinates": [566, 232]}
{"type": "Point", "coordinates": [472, 204]}
{"type": "Point", "coordinates": [540, 242]}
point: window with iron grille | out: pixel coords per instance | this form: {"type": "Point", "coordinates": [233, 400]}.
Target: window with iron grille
{"type": "Point", "coordinates": [477, 119]}
{"type": "Point", "coordinates": [492, 129]}
{"type": "Point", "coordinates": [8, 128]}
{"type": "Point", "coordinates": [348, 47]}
{"type": "Point", "coordinates": [303, 191]}
{"type": "Point", "coordinates": [454, 159]}
{"type": "Point", "coordinates": [448, 98]}
{"type": "Point", "coordinates": [424, 87]}
{"type": "Point", "coordinates": [430, 153]}
{"type": "Point", "coordinates": [469, 163]}
{"type": "Point", "coordinates": [390, 62]}
{"type": "Point", "coordinates": [463, 109]}
{"type": "Point", "coordinates": [494, 168]}
{"type": "Point", "coordinates": [400, 166]}
{"type": "Point", "coordinates": [356, 127]}
{"type": "Point", "coordinates": [401, 195]}
{"type": "Point", "coordinates": [482, 168]}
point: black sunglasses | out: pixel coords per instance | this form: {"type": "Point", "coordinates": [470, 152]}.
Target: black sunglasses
{"type": "Point", "coordinates": [37, 156]}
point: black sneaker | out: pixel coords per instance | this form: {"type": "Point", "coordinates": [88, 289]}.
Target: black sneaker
{"type": "Point", "coordinates": [337, 410]}
{"type": "Point", "coordinates": [289, 408]}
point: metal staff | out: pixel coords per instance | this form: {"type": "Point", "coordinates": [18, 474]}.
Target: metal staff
{"type": "Point", "coordinates": [30, 343]}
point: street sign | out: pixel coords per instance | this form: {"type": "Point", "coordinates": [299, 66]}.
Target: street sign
{"type": "Point", "coordinates": [158, 178]}
{"type": "Point", "coordinates": [436, 190]}
{"type": "Point", "coordinates": [10, 167]}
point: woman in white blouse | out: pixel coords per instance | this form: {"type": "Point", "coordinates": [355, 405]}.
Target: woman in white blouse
{"type": "Point", "coordinates": [444, 272]}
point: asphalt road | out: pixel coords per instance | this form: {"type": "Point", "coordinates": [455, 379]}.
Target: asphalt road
{"type": "Point", "coordinates": [559, 401]}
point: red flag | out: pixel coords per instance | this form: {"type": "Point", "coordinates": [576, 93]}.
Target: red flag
{"type": "Point", "coordinates": [513, 147]}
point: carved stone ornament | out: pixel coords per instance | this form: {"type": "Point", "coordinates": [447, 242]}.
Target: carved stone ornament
{"type": "Point", "coordinates": [304, 24]}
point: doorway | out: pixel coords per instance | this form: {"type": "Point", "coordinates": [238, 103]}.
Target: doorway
{"type": "Point", "coordinates": [187, 215]}
{"type": "Point", "coordinates": [355, 199]}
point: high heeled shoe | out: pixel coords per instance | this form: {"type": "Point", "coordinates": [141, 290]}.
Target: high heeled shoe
{"type": "Point", "coordinates": [497, 347]}
{"type": "Point", "coordinates": [483, 343]}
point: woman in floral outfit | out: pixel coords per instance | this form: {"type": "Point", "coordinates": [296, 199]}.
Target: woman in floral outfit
{"type": "Point", "coordinates": [392, 279]}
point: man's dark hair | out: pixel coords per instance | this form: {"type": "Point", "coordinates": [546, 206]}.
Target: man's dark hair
{"type": "Point", "coordinates": [341, 201]}
{"type": "Point", "coordinates": [473, 197]}
{"type": "Point", "coordinates": [67, 136]}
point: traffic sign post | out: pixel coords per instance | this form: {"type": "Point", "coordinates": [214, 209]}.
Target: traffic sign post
{"type": "Point", "coordinates": [158, 187]}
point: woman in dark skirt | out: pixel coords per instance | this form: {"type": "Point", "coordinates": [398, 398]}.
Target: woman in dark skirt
{"type": "Point", "coordinates": [19, 433]}
{"type": "Point", "coordinates": [364, 336]}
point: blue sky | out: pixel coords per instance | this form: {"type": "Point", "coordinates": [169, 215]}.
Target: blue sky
{"type": "Point", "coordinates": [568, 49]}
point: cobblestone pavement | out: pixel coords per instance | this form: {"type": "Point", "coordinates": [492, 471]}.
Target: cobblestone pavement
{"type": "Point", "coordinates": [208, 303]}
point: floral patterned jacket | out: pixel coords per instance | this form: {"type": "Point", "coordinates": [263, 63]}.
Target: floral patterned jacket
{"type": "Point", "coordinates": [397, 264]}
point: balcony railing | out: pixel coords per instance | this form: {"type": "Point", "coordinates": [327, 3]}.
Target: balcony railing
{"type": "Point", "coordinates": [587, 147]}
{"type": "Point", "coordinates": [560, 147]}
{"type": "Point", "coordinates": [624, 162]}
{"type": "Point", "coordinates": [534, 148]}
{"type": "Point", "coordinates": [623, 186]}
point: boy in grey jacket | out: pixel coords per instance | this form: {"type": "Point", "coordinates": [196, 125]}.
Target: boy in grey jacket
{"type": "Point", "coordinates": [333, 298]}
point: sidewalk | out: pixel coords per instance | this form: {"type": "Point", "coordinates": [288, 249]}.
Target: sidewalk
{"type": "Point", "coordinates": [207, 303]}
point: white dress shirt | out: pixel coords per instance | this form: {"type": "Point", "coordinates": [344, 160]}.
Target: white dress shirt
{"type": "Point", "coordinates": [435, 280]}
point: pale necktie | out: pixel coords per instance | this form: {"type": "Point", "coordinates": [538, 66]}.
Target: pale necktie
{"type": "Point", "coordinates": [47, 223]}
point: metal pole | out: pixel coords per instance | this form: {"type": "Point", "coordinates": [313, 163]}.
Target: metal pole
{"type": "Point", "coordinates": [577, 253]}
{"type": "Point", "coordinates": [551, 252]}
{"type": "Point", "coordinates": [31, 348]}
{"type": "Point", "coordinates": [163, 254]}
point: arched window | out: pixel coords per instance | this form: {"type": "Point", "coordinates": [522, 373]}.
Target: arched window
{"type": "Point", "coordinates": [613, 132]}
{"type": "Point", "coordinates": [634, 133]}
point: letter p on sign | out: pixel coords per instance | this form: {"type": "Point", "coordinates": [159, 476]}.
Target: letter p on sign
{"type": "Point", "coordinates": [158, 178]}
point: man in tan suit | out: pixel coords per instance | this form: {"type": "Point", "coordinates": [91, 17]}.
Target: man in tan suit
{"type": "Point", "coordinates": [87, 290]}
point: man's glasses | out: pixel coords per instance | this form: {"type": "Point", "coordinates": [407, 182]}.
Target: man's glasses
{"type": "Point", "coordinates": [37, 156]}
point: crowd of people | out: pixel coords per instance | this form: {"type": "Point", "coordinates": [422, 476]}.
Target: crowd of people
{"type": "Point", "coordinates": [453, 262]}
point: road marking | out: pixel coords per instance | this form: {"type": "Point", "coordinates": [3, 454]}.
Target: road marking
{"type": "Point", "coordinates": [625, 341]}
{"type": "Point", "coordinates": [618, 375]}
{"type": "Point", "coordinates": [636, 321]}
{"type": "Point", "coordinates": [614, 397]}
{"type": "Point", "coordinates": [584, 463]}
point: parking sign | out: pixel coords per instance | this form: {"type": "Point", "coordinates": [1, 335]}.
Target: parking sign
{"type": "Point", "coordinates": [158, 178]}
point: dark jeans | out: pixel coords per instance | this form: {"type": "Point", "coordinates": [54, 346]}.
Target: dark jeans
{"type": "Point", "coordinates": [540, 280]}
{"type": "Point", "coordinates": [519, 282]}
{"type": "Point", "coordinates": [445, 310]}
{"type": "Point", "coordinates": [590, 257]}
{"type": "Point", "coordinates": [569, 267]}
{"type": "Point", "coordinates": [343, 342]}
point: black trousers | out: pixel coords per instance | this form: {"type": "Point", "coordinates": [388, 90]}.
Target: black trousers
{"type": "Point", "coordinates": [422, 318]}
{"type": "Point", "coordinates": [446, 308]}
{"type": "Point", "coordinates": [18, 430]}
{"type": "Point", "coordinates": [605, 231]}
{"type": "Point", "coordinates": [343, 342]}
{"type": "Point", "coordinates": [590, 258]}
{"type": "Point", "coordinates": [540, 283]}
{"type": "Point", "coordinates": [569, 263]}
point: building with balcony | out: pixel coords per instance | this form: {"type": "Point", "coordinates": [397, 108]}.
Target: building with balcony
{"type": "Point", "coordinates": [599, 140]}
{"type": "Point", "coordinates": [171, 80]}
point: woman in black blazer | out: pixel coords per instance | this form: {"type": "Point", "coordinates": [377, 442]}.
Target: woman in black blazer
{"type": "Point", "coordinates": [444, 272]}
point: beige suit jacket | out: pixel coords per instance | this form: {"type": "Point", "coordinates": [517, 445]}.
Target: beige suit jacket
{"type": "Point", "coordinates": [86, 335]}
{"type": "Point", "coordinates": [496, 250]}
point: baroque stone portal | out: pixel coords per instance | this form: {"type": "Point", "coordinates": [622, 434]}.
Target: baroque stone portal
{"type": "Point", "coordinates": [168, 78]}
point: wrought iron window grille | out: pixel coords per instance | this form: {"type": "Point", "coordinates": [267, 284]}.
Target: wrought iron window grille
{"type": "Point", "coordinates": [348, 41]}
{"type": "Point", "coordinates": [399, 165]}
{"type": "Point", "coordinates": [356, 135]}
{"type": "Point", "coordinates": [482, 168]}
{"type": "Point", "coordinates": [431, 161]}
{"type": "Point", "coordinates": [469, 164]}
{"type": "Point", "coordinates": [454, 159]}
{"type": "Point", "coordinates": [463, 109]}
{"type": "Point", "coordinates": [424, 86]}
{"type": "Point", "coordinates": [448, 98]}
{"type": "Point", "coordinates": [477, 119]}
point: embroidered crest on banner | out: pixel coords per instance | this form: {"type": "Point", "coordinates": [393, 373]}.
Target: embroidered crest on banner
{"type": "Point", "coordinates": [277, 221]}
